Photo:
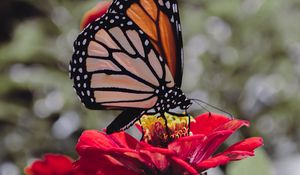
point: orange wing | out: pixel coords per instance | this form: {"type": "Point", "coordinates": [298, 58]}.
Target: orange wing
{"type": "Point", "coordinates": [159, 19]}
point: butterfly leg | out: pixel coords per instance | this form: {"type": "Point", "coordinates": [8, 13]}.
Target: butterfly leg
{"type": "Point", "coordinates": [189, 120]}
{"type": "Point", "coordinates": [143, 133]}
{"type": "Point", "coordinates": [167, 128]}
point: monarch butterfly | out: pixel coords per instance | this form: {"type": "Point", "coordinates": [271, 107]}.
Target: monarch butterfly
{"type": "Point", "coordinates": [131, 59]}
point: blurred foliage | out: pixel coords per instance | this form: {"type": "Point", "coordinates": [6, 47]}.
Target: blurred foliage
{"type": "Point", "coordinates": [240, 55]}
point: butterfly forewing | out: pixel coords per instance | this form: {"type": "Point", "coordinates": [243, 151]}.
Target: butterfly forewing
{"type": "Point", "coordinates": [115, 65]}
{"type": "Point", "coordinates": [159, 19]}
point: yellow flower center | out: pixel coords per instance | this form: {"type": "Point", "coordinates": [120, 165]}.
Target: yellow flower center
{"type": "Point", "coordinates": [156, 133]}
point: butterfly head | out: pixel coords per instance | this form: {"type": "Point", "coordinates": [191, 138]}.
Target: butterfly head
{"type": "Point", "coordinates": [183, 102]}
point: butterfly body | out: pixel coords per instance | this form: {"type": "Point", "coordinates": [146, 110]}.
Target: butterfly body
{"type": "Point", "coordinates": [130, 59]}
{"type": "Point", "coordinates": [170, 98]}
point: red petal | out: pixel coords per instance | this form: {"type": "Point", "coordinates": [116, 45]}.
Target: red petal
{"type": "Point", "coordinates": [96, 12]}
{"type": "Point", "coordinates": [237, 151]}
{"type": "Point", "coordinates": [102, 141]}
{"type": "Point", "coordinates": [130, 160]}
{"type": "Point", "coordinates": [150, 148]}
{"type": "Point", "coordinates": [238, 155]}
{"type": "Point", "coordinates": [101, 165]}
{"type": "Point", "coordinates": [213, 162]}
{"type": "Point", "coordinates": [156, 155]}
{"type": "Point", "coordinates": [184, 147]}
{"type": "Point", "coordinates": [223, 159]}
{"type": "Point", "coordinates": [94, 144]}
{"type": "Point", "coordinates": [51, 164]}
{"type": "Point", "coordinates": [38, 168]}
{"type": "Point", "coordinates": [60, 163]}
{"type": "Point", "coordinates": [124, 140]}
{"type": "Point", "coordinates": [95, 139]}
{"type": "Point", "coordinates": [181, 167]}
{"type": "Point", "coordinates": [206, 124]}
{"type": "Point", "coordinates": [246, 145]}
{"type": "Point", "coordinates": [210, 145]}
{"type": "Point", "coordinates": [233, 125]}
{"type": "Point", "coordinates": [158, 160]}
{"type": "Point", "coordinates": [199, 147]}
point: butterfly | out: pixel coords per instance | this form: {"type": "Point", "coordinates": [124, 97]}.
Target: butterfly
{"type": "Point", "coordinates": [131, 59]}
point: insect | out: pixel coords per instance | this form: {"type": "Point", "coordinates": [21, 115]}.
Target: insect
{"type": "Point", "coordinates": [131, 59]}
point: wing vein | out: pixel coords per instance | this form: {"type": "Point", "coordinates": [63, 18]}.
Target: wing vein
{"type": "Point", "coordinates": [122, 101]}
{"type": "Point", "coordinates": [122, 90]}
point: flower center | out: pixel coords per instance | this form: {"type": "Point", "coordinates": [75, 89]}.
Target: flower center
{"type": "Point", "coordinates": [155, 132]}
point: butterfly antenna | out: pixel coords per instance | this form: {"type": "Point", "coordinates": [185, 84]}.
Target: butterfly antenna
{"type": "Point", "coordinates": [189, 120]}
{"type": "Point", "coordinates": [203, 107]}
{"type": "Point", "coordinates": [200, 102]}
{"type": "Point", "coordinates": [143, 133]}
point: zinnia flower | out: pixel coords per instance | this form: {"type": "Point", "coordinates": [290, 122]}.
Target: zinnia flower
{"type": "Point", "coordinates": [120, 153]}
{"type": "Point", "coordinates": [51, 164]}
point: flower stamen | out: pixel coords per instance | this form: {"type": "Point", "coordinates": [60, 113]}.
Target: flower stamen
{"type": "Point", "coordinates": [156, 133]}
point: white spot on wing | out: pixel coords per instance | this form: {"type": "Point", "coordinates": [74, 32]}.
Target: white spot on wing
{"type": "Point", "coordinates": [172, 19]}
{"type": "Point", "coordinates": [160, 2]}
{"type": "Point", "coordinates": [84, 42]}
{"type": "Point", "coordinates": [168, 4]}
{"type": "Point", "coordinates": [175, 8]}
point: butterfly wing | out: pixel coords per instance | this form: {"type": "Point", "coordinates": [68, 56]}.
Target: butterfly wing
{"type": "Point", "coordinates": [126, 119]}
{"type": "Point", "coordinates": [115, 66]}
{"type": "Point", "coordinates": [159, 19]}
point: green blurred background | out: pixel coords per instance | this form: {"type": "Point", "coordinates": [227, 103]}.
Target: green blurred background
{"type": "Point", "coordinates": [240, 55]}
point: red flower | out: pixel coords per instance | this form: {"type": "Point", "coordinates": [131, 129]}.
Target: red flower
{"type": "Point", "coordinates": [210, 131]}
{"type": "Point", "coordinates": [51, 164]}
{"type": "Point", "coordinates": [96, 12]}
{"type": "Point", "coordinates": [119, 153]}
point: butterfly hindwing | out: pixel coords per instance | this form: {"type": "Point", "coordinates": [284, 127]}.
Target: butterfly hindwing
{"type": "Point", "coordinates": [159, 19]}
{"type": "Point", "coordinates": [115, 66]}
